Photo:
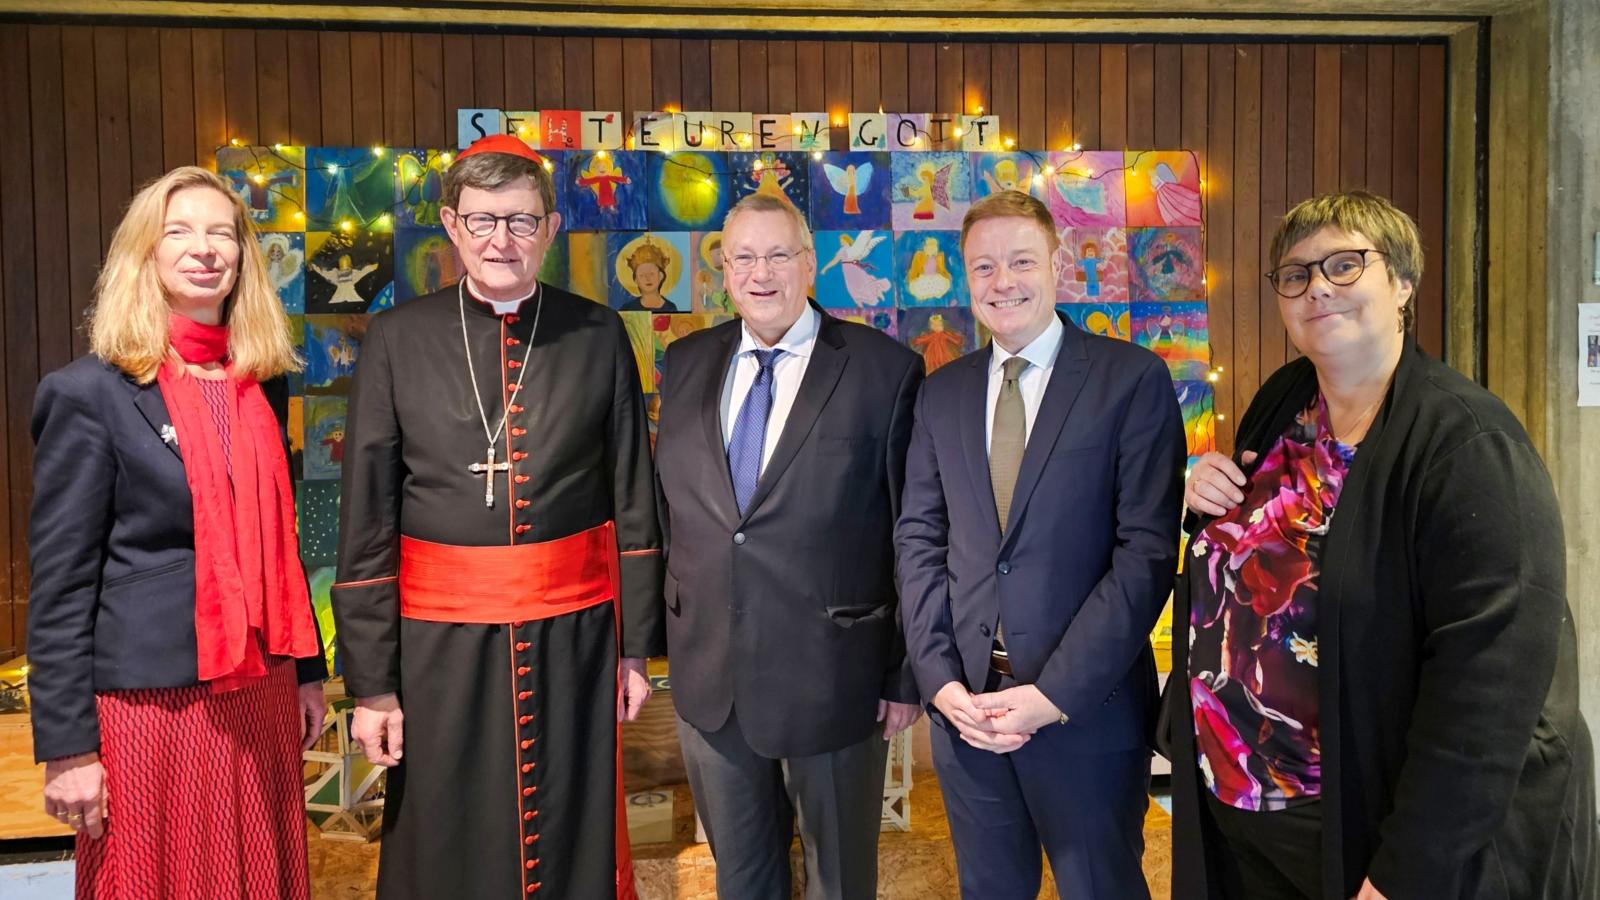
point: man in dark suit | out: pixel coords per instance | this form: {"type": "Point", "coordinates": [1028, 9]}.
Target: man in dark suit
{"type": "Point", "coordinates": [1036, 547]}
{"type": "Point", "coordinates": [781, 454]}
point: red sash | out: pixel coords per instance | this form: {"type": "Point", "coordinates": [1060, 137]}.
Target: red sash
{"type": "Point", "coordinates": [508, 583]}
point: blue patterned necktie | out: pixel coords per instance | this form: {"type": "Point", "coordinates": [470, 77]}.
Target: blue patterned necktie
{"type": "Point", "coordinates": [750, 431]}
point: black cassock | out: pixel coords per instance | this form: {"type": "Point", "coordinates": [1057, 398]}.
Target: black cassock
{"type": "Point", "coordinates": [508, 784]}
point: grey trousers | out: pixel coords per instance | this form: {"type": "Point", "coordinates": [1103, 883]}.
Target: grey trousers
{"type": "Point", "coordinates": [748, 805]}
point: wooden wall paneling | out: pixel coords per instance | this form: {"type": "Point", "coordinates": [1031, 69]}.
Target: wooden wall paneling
{"type": "Point", "coordinates": [866, 75]}
{"type": "Point", "coordinates": [1403, 128]}
{"type": "Point", "coordinates": [1086, 96]}
{"type": "Point", "coordinates": [724, 75]}
{"type": "Point", "coordinates": [400, 93]}
{"type": "Point", "coordinates": [1275, 115]}
{"type": "Point", "coordinates": [1003, 96]}
{"type": "Point", "coordinates": [20, 296]}
{"type": "Point", "coordinates": [549, 82]}
{"type": "Point", "coordinates": [1141, 105]}
{"type": "Point", "coordinates": [1033, 120]}
{"type": "Point", "coordinates": [949, 79]}
{"type": "Point", "coordinates": [1325, 121]}
{"type": "Point", "coordinates": [367, 89]}
{"type": "Point", "coordinates": [781, 88]}
{"type": "Point", "coordinates": [666, 74]}
{"type": "Point", "coordinates": [1380, 118]}
{"type": "Point", "coordinates": [1247, 371]}
{"type": "Point", "coordinates": [977, 89]}
{"type": "Point", "coordinates": [177, 98]}
{"type": "Point", "coordinates": [456, 51]}
{"type": "Point", "coordinates": [1058, 96]}
{"type": "Point", "coordinates": [922, 76]}
{"type": "Point", "coordinates": [1220, 189]}
{"type": "Point", "coordinates": [334, 86]}
{"type": "Point", "coordinates": [1431, 202]}
{"type": "Point", "coordinates": [1169, 93]}
{"type": "Point", "coordinates": [810, 90]}
{"type": "Point", "coordinates": [753, 76]}
{"type": "Point", "coordinates": [894, 77]}
{"type": "Point", "coordinates": [48, 200]}
{"type": "Point", "coordinates": [577, 72]}
{"type": "Point", "coordinates": [210, 110]}
{"type": "Point", "coordinates": [433, 126]}
{"type": "Point", "coordinates": [144, 103]}
{"type": "Point", "coordinates": [239, 100]}
{"type": "Point", "coordinates": [489, 69]}
{"type": "Point", "coordinates": [272, 85]}
{"type": "Point", "coordinates": [1300, 152]}
{"type": "Point", "coordinates": [305, 88]}
{"type": "Point", "coordinates": [697, 73]}
{"type": "Point", "coordinates": [1352, 116]}
{"type": "Point", "coordinates": [111, 144]}
{"type": "Point", "coordinates": [837, 89]}
{"type": "Point", "coordinates": [638, 78]}
{"type": "Point", "coordinates": [608, 66]}
{"type": "Point", "coordinates": [56, 320]}
{"type": "Point", "coordinates": [1192, 109]}
{"type": "Point", "coordinates": [1114, 96]}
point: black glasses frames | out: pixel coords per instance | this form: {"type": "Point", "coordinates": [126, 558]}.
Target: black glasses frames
{"type": "Point", "coordinates": [1341, 268]}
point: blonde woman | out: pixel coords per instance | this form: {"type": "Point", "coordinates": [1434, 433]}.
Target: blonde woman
{"type": "Point", "coordinates": [176, 669]}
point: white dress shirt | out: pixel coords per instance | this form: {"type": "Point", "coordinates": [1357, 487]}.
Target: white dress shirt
{"type": "Point", "coordinates": [786, 374]}
{"type": "Point", "coordinates": [1041, 356]}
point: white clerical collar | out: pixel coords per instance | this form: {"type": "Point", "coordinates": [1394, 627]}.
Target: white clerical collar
{"type": "Point", "coordinates": [796, 341]}
{"type": "Point", "coordinates": [500, 307]}
{"type": "Point", "coordinates": [1040, 352]}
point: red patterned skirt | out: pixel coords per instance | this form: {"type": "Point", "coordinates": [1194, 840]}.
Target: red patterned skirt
{"type": "Point", "coordinates": [203, 793]}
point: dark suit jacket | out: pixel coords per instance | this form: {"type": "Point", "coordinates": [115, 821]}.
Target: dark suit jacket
{"type": "Point", "coordinates": [111, 545]}
{"type": "Point", "coordinates": [1087, 558]}
{"type": "Point", "coordinates": [789, 611]}
{"type": "Point", "coordinates": [1455, 762]}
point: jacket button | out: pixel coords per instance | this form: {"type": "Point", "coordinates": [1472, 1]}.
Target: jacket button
{"type": "Point", "coordinates": [518, 432]}
{"type": "Point", "coordinates": [526, 744]}
{"type": "Point", "coordinates": [738, 537]}
{"type": "Point", "coordinates": [524, 504]}
{"type": "Point", "coordinates": [524, 529]}
{"type": "Point", "coordinates": [522, 645]}
{"type": "Point", "coordinates": [517, 409]}
{"type": "Point", "coordinates": [512, 342]}
{"type": "Point", "coordinates": [523, 670]}
{"type": "Point", "coordinates": [528, 841]}
{"type": "Point", "coordinates": [511, 319]}
{"type": "Point", "coordinates": [1005, 568]}
{"type": "Point", "coordinates": [527, 817]}
{"type": "Point", "coordinates": [526, 768]}
{"type": "Point", "coordinates": [523, 479]}
{"type": "Point", "coordinates": [529, 791]}
{"type": "Point", "coordinates": [513, 364]}
{"type": "Point", "coordinates": [984, 629]}
{"type": "Point", "coordinates": [523, 720]}
{"type": "Point", "coordinates": [523, 695]}
{"type": "Point", "coordinates": [519, 455]}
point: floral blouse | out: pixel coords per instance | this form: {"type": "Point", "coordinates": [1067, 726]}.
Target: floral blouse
{"type": "Point", "coordinates": [1253, 624]}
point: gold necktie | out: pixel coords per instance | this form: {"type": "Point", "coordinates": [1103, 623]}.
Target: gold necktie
{"type": "Point", "coordinates": [1009, 437]}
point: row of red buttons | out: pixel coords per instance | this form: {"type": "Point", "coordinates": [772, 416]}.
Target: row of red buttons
{"type": "Point", "coordinates": [525, 722]}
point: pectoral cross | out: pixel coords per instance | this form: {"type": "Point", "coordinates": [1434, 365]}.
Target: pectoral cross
{"type": "Point", "coordinates": [487, 468]}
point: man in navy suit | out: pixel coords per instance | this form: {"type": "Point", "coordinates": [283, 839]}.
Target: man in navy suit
{"type": "Point", "coordinates": [1036, 546]}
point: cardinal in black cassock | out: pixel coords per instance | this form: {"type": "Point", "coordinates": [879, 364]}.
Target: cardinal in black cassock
{"type": "Point", "coordinates": [499, 574]}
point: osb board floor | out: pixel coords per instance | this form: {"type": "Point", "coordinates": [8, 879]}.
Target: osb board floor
{"type": "Point", "coordinates": [915, 865]}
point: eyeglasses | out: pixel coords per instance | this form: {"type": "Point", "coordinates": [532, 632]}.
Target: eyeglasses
{"type": "Point", "coordinates": [777, 259]}
{"type": "Point", "coordinates": [1342, 268]}
{"type": "Point", "coordinates": [522, 225]}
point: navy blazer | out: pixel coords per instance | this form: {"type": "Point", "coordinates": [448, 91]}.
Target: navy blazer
{"type": "Point", "coordinates": [1087, 558]}
{"type": "Point", "coordinates": [111, 547]}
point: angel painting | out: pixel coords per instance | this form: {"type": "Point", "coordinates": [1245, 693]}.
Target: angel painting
{"type": "Point", "coordinates": [847, 181]}
{"type": "Point", "coordinates": [782, 175]}
{"type": "Point", "coordinates": [850, 191]}
{"type": "Point", "coordinates": [859, 270]}
{"type": "Point", "coordinates": [1163, 188]}
{"type": "Point", "coordinates": [928, 268]}
{"type": "Point", "coordinates": [931, 190]}
{"type": "Point", "coordinates": [344, 278]}
{"type": "Point", "coordinates": [931, 193]}
{"type": "Point", "coordinates": [603, 179]}
{"type": "Point", "coordinates": [1179, 203]}
{"type": "Point", "coordinates": [257, 190]}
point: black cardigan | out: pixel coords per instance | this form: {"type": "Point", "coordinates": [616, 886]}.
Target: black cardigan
{"type": "Point", "coordinates": [1455, 761]}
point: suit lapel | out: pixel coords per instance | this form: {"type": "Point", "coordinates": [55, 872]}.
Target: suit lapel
{"type": "Point", "coordinates": [974, 407]}
{"type": "Point", "coordinates": [1066, 382]}
{"type": "Point", "coordinates": [711, 413]}
{"type": "Point", "coordinates": [148, 400]}
{"type": "Point", "coordinates": [828, 357]}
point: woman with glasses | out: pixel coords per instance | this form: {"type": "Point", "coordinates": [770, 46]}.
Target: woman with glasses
{"type": "Point", "coordinates": [1375, 675]}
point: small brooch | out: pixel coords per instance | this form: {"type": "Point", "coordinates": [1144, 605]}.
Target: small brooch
{"type": "Point", "coordinates": [169, 435]}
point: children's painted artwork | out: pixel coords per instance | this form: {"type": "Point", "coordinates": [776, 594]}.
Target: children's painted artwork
{"type": "Point", "coordinates": [931, 191]}
{"type": "Point", "coordinates": [321, 580]}
{"type": "Point", "coordinates": [928, 270]}
{"type": "Point", "coordinates": [1108, 319]}
{"type": "Point", "coordinates": [689, 191]}
{"type": "Point", "coordinates": [1094, 266]}
{"type": "Point", "coordinates": [324, 449]}
{"type": "Point", "coordinates": [332, 345]}
{"type": "Point", "coordinates": [1165, 264]}
{"type": "Point", "coordinates": [649, 272]}
{"type": "Point", "coordinates": [1177, 333]}
{"type": "Point", "coordinates": [996, 172]}
{"type": "Point", "coordinates": [709, 291]}
{"type": "Point", "coordinates": [850, 191]}
{"type": "Point", "coordinates": [884, 320]}
{"type": "Point", "coordinates": [641, 336]}
{"type": "Point", "coordinates": [317, 510]}
{"type": "Point", "coordinates": [1163, 188]}
{"type": "Point", "coordinates": [1086, 189]}
{"type": "Point", "coordinates": [1195, 399]}
{"type": "Point", "coordinates": [858, 271]}
{"type": "Point", "coordinates": [602, 190]}
{"type": "Point", "coordinates": [271, 182]}
{"type": "Point", "coordinates": [940, 336]}
{"type": "Point", "coordinates": [425, 261]}
{"type": "Point", "coordinates": [419, 187]}
{"type": "Point", "coordinates": [349, 273]}
{"type": "Point", "coordinates": [286, 268]}
{"type": "Point", "coordinates": [786, 175]}
{"type": "Point", "coordinates": [665, 329]}
{"type": "Point", "coordinates": [588, 265]}
{"type": "Point", "coordinates": [349, 187]}
{"type": "Point", "coordinates": [296, 426]}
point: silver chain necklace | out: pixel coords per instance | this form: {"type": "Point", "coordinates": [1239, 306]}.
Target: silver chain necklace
{"type": "Point", "coordinates": [488, 467]}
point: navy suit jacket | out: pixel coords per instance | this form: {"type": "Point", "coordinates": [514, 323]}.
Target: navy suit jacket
{"type": "Point", "coordinates": [1087, 559]}
{"type": "Point", "coordinates": [111, 545]}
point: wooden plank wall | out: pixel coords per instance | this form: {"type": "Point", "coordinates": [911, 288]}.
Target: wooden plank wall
{"type": "Point", "coordinates": [87, 113]}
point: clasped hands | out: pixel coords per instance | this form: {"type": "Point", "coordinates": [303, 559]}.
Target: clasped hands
{"type": "Point", "coordinates": [999, 722]}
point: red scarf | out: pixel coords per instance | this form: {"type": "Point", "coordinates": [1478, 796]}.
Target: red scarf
{"type": "Point", "coordinates": [249, 588]}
